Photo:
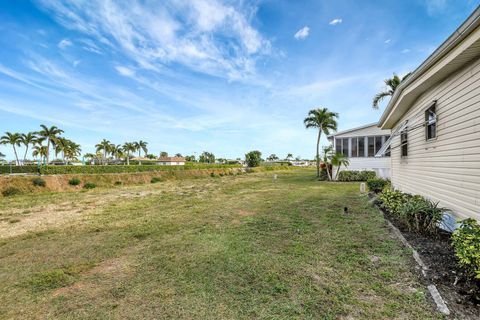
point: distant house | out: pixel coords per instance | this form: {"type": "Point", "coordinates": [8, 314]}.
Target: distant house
{"type": "Point", "coordinates": [171, 161]}
{"type": "Point", "coordinates": [360, 145]}
{"type": "Point", "coordinates": [435, 120]}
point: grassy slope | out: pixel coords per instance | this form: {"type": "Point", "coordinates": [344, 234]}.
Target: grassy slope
{"type": "Point", "coordinates": [232, 247]}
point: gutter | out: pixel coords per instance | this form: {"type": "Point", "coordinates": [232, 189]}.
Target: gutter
{"type": "Point", "coordinates": [472, 22]}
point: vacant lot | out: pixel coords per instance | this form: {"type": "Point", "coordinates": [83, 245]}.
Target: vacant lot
{"type": "Point", "coordinates": [238, 247]}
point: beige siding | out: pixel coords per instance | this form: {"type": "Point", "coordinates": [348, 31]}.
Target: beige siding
{"type": "Point", "coordinates": [446, 169]}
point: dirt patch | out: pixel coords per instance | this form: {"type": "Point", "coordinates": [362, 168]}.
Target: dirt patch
{"type": "Point", "coordinates": [99, 278]}
{"type": "Point", "coordinates": [244, 213]}
{"type": "Point", "coordinates": [460, 293]}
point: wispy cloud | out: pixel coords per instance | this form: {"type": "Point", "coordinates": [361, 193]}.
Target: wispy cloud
{"type": "Point", "coordinates": [302, 33]}
{"type": "Point", "coordinates": [388, 41]}
{"type": "Point", "coordinates": [435, 6]}
{"type": "Point", "coordinates": [124, 71]}
{"type": "Point", "coordinates": [64, 43]}
{"type": "Point", "coordinates": [406, 50]}
{"type": "Point", "coordinates": [335, 21]}
{"type": "Point", "coordinates": [205, 36]}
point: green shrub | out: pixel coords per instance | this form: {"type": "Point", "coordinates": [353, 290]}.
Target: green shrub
{"type": "Point", "coordinates": [253, 158]}
{"type": "Point", "coordinates": [212, 174]}
{"type": "Point", "coordinates": [11, 191]}
{"type": "Point", "coordinates": [363, 175]}
{"type": "Point", "coordinates": [74, 181]}
{"type": "Point", "coordinates": [118, 183]}
{"type": "Point", "coordinates": [376, 184]}
{"type": "Point", "coordinates": [6, 169]}
{"type": "Point", "coordinates": [393, 200]}
{"type": "Point", "coordinates": [155, 180]}
{"type": "Point", "coordinates": [39, 182]}
{"type": "Point", "coordinates": [89, 185]}
{"type": "Point", "coordinates": [50, 280]}
{"type": "Point", "coordinates": [324, 174]}
{"type": "Point", "coordinates": [420, 214]}
{"type": "Point", "coordinates": [466, 242]}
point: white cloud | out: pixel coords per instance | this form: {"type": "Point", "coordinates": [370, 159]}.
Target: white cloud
{"type": "Point", "coordinates": [205, 36]}
{"type": "Point", "coordinates": [124, 71]}
{"type": "Point", "coordinates": [335, 21]}
{"type": "Point", "coordinates": [64, 43]}
{"type": "Point", "coordinates": [405, 50]}
{"type": "Point", "coordinates": [302, 33]}
{"type": "Point", "coordinates": [388, 40]}
{"type": "Point", "coordinates": [435, 6]}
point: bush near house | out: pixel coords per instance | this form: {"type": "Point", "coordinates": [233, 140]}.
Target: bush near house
{"type": "Point", "coordinates": [421, 215]}
{"type": "Point", "coordinates": [39, 182]}
{"type": "Point", "coordinates": [348, 175]}
{"type": "Point", "coordinates": [377, 184]}
{"type": "Point", "coordinates": [392, 200]}
{"type": "Point", "coordinates": [466, 242]}
{"type": "Point", "coordinates": [74, 182]}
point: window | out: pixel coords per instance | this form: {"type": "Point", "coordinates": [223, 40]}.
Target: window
{"type": "Point", "coordinates": [361, 147]}
{"type": "Point", "coordinates": [371, 146]}
{"type": "Point", "coordinates": [404, 142]}
{"type": "Point", "coordinates": [338, 145]}
{"type": "Point", "coordinates": [354, 147]}
{"type": "Point", "coordinates": [341, 146]}
{"type": "Point", "coordinates": [431, 123]}
{"type": "Point", "coordinates": [345, 146]}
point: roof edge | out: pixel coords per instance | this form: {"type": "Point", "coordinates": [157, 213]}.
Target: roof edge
{"type": "Point", "coordinates": [353, 129]}
{"type": "Point", "coordinates": [472, 22]}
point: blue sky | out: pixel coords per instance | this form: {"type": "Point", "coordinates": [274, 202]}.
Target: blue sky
{"type": "Point", "coordinates": [189, 76]}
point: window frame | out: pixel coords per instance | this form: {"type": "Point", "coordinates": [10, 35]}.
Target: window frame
{"type": "Point", "coordinates": [431, 123]}
{"type": "Point", "coordinates": [404, 143]}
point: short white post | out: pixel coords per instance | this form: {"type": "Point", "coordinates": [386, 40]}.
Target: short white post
{"type": "Point", "coordinates": [363, 188]}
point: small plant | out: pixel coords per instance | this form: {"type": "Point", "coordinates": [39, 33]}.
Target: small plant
{"type": "Point", "coordinates": [393, 200]}
{"type": "Point", "coordinates": [421, 215]}
{"type": "Point", "coordinates": [212, 174]}
{"type": "Point", "coordinates": [11, 191]}
{"type": "Point", "coordinates": [350, 175]}
{"type": "Point", "coordinates": [89, 185]}
{"type": "Point", "coordinates": [376, 184]}
{"type": "Point", "coordinates": [39, 182]}
{"type": "Point", "coordinates": [74, 182]}
{"type": "Point", "coordinates": [155, 180]}
{"type": "Point", "coordinates": [466, 242]}
{"type": "Point", "coordinates": [118, 183]}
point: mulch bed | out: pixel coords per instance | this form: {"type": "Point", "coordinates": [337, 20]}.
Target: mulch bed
{"type": "Point", "coordinates": [461, 294]}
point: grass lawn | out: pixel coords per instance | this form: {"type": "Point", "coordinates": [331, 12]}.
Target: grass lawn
{"type": "Point", "coordinates": [243, 247]}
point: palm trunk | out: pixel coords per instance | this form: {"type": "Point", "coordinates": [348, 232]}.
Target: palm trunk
{"type": "Point", "coordinates": [16, 156]}
{"type": "Point", "coordinates": [25, 156]}
{"type": "Point", "coordinates": [48, 151]}
{"type": "Point", "coordinates": [328, 171]}
{"type": "Point", "coordinates": [128, 158]}
{"type": "Point", "coordinates": [318, 151]}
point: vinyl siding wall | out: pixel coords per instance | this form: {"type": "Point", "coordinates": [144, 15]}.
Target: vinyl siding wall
{"type": "Point", "coordinates": [446, 169]}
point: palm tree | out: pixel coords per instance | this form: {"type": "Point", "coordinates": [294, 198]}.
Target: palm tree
{"type": "Point", "coordinates": [339, 160]}
{"type": "Point", "coordinates": [15, 139]}
{"type": "Point", "coordinates": [105, 146]}
{"type": "Point", "coordinates": [127, 148]}
{"type": "Point", "coordinates": [27, 140]}
{"type": "Point", "coordinates": [392, 85]}
{"type": "Point", "coordinates": [89, 156]}
{"type": "Point", "coordinates": [61, 145]}
{"type": "Point", "coordinates": [71, 150]}
{"type": "Point", "coordinates": [40, 151]}
{"type": "Point", "coordinates": [51, 135]}
{"type": "Point", "coordinates": [117, 151]}
{"type": "Point", "coordinates": [141, 146]}
{"type": "Point", "coordinates": [323, 120]}
{"type": "Point", "coordinates": [327, 156]}
{"type": "Point", "coordinates": [289, 156]}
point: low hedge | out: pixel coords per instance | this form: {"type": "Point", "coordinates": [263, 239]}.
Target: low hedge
{"type": "Point", "coordinates": [7, 169]}
{"type": "Point", "coordinates": [348, 175]}
{"type": "Point", "coordinates": [466, 242]}
{"type": "Point", "coordinates": [96, 169]}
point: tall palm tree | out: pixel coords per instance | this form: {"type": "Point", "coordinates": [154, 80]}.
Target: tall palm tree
{"type": "Point", "coordinates": [27, 140]}
{"type": "Point", "coordinates": [392, 85]}
{"type": "Point", "coordinates": [71, 150]}
{"type": "Point", "coordinates": [289, 156]}
{"type": "Point", "coordinates": [105, 146]}
{"type": "Point", "coordinates": [51, 135]}
{"type": "Point", "coordinates": [127, 148]}
{"type": "Point", "coordinates": [141, 146]}
{"type": "Point", "coordinates": [339, 160]}
{"type": "Point", "coordinates": [323, 120]}
{"type": "Point", "coordinates": [15, 139]}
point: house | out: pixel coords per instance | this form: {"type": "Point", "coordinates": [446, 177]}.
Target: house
{"type": "Point", "coordinates": [360, 145]}
{"type": "Point", "coordinates": [434, 116]}
{"type": "Point", "coordinates": [171, 161]}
